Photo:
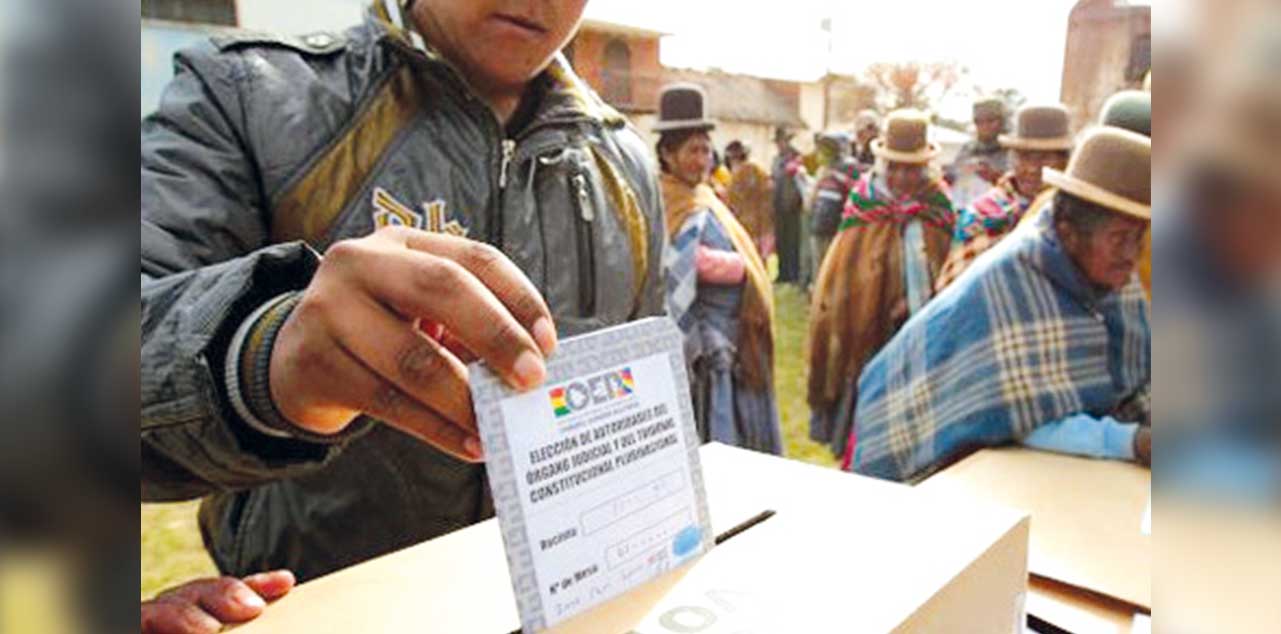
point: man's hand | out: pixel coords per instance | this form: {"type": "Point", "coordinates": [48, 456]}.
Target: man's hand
{"type": "Point", "coordinates": [205, 605]}
{"type": "Point", "coordinates": [351, 345]}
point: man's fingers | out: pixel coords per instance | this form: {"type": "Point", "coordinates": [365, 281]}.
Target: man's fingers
{"type": "Point", "coordinates": [362, 389]}
{"type": "Point", "coordinates": [231, 601]}
{"type": "Point", "coordinates": [177, 616]}
{"type": "Point", "coordinates": [397, 409]}
{"type": "Point", "coordinates": [458, 348]}
{"type": "Point", "coordinates": [416, 364]}
{"type": "Point", "coordinates": [271, 585]}
{"type": "Point", "coordinates": [498, 273]}
{"type": "Point", "coordinates": [227, 599]}
{"type": "Point", "coordinates": [437, 288]}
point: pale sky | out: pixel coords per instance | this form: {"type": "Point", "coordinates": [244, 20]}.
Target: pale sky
{"type": "Point", "coordinates": [1004, 43]}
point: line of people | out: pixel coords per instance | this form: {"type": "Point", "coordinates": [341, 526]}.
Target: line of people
{"type": "Point", "coordinates": [926, 340]}
{"type": "Point", "coordinates": [1017, 318]}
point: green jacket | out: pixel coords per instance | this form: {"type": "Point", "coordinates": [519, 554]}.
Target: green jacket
{"type": "Point", "coordinates": [263, 152]}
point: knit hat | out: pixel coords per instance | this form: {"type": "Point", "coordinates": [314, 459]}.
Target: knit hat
{"type": "Point", "coordinates": [990, 106]}
{"type": "Point", "coordinates": [865, 119]}
{"type": "Point", "coordinates": [838, 142]}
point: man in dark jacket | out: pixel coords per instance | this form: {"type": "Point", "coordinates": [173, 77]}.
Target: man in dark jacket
{"type": "Point", "coordinates": [788, 204]}
{"type": "Point", "coordinates": [473, 199]}
{"type": "Point", "coordinates": [983, 155]}
{"type": "Point", "coordinates": [837, 174]}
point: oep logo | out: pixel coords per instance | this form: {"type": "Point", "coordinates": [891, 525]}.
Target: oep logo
{"type": "Point", "coordinates": [576, 396]}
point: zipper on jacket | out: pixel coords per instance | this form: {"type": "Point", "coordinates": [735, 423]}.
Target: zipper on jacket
{"type": "Point", "coordinates": [506, 152]}
{"type": "Point", "coordinates": [509, 152]}
{"type": "Point", "coordinates": [586, 247]}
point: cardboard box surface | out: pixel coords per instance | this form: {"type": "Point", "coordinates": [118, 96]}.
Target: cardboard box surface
{"type": "Point", "coordinates": [1086, 514]}
{"type": "Point", "coordinates": [1080, 612]}
{"type": "Point", "coordinates": [841, 553]}
{"type": "Point", "coordinates": [848, 553]}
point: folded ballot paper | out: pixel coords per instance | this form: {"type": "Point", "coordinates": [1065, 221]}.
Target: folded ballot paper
{"type": "Point", "coordinates": [595, 475]}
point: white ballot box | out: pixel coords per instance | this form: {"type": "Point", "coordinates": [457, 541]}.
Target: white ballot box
{"type": "Point", "coordinates": [801, 549]}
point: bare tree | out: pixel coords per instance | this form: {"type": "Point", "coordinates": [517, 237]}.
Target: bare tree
{"type": "Point", "coordinates": [847, 96]}
{"type": "Point", "coordinates": [914, 84]}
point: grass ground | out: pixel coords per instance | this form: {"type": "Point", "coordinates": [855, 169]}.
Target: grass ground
{"type": "Point", "coordinates": [172, 552]}
{"type": "Point", "coordinates": [171, 549]}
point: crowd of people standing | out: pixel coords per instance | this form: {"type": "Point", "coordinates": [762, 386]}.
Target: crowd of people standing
{"type": "Point", "coordinates": [937, 323]}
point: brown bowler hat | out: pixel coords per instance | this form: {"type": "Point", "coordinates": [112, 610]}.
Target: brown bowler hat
{"type": "Point", "coordinates": [904, 138]}
{"type": "Point", "coordinates": [1039, 128]}
{"type": "Point", "coordinates": [682, 106]}
{"type": "Point", "coordinates": [1111, 167]}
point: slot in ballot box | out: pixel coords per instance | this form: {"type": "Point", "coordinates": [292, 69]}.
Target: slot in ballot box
{"type": "Point", "coordinates": [838, 553]}
{"type": "Point", "coordinates": [1091, 547]}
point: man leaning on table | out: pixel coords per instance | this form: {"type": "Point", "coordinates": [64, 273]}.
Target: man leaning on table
{"type": "Point", "coordinates": [1044, 339]}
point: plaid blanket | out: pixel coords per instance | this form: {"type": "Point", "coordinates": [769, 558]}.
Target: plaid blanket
{"type": "Point", "coordinates": [756, 313]}
{"type": "Point", "coordinates": [1019, 341]}
{"type": "Point", "coordinates": [680, 270]}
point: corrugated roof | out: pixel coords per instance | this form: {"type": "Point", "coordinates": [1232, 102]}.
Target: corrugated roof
{"type": "Point", "coordinates": [606, 26]}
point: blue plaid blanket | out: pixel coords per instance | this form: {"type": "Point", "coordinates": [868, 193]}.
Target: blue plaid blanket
{"type": "Point", "coordinates": [1019, 340]}
{"type": "Point", "coordinates": [680, 270]}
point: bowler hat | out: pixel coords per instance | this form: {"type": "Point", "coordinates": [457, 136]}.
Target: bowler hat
{"type": "Point", "coordinates": [1039, 128]}
{"type": "Point", "coordinates": [903, 139]}
{"type": "Point", "coordinates": [1112, 168]}
{"type": "Point", "coordinates": [682, 106]}
{"type": "Point", "coordinates": [1129, 109]}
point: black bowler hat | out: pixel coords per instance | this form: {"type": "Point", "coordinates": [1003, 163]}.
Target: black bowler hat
{"type": "Point", "coordinates": [682, 107]}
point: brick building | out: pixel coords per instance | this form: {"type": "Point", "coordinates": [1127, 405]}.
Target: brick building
{"type": "Point", "coordinates": [622, 64]}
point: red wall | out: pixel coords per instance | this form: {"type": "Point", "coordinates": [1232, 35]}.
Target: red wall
{"type": "Point", "coordinates": [589, 58]}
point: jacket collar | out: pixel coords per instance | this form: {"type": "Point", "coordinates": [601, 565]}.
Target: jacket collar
{"type": "Point", "coordinates": [566, 96]}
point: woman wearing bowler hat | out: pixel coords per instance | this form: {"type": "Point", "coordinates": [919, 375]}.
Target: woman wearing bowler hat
{"type": "Point", "coordinates": [1042, 139]}
{"type": "Point", "coordinates": [718, 291]}
{"type": "Point", "coordinates": [879, 270]}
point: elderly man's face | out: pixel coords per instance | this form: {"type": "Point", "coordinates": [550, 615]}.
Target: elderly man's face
{"type": "Point", "coordinates": [1109, 254]}
{"type": "Point", "coordinates": [498, 43]}
{"type": "Point", "coordinates": [1028, 164]}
